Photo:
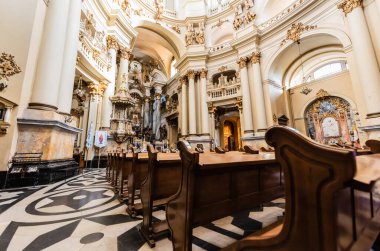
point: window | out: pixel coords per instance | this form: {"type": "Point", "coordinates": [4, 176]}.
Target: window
{"type": "Point", "coordinates": [173, 70]}
{"type": "Point", "coordinates": [2, 112]}
{"type": "Point", "coordinates": [327, 70]}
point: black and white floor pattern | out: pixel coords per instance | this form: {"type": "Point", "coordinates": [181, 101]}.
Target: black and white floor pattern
{"type": "Point", "coordinates": [84, 214]}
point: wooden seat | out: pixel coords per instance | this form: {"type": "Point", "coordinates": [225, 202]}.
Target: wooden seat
{"type": "Point", "coordinates": [125, 170]}
{"type": "Point", "coordinates": [374, 145]}
{"type": "Point", "coordinates": [135, 178]}
{"type": "Point", "coordinates": [163, 178]}
{"type": "Point", "coordinates": [214, 186]}
{"type": "Point", "coordinates": [318, 197]}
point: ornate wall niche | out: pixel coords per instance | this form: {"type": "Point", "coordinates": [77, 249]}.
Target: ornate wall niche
{"type": "Point", "coordinates": [6, 107]}
{"type": "Point", "coordinates": [330, 120]}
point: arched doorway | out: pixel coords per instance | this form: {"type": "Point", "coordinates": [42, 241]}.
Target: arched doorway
{"type": "Point", "coordinates": [230, 135]}
{"type": "Point", "coordinates": [330, 120]}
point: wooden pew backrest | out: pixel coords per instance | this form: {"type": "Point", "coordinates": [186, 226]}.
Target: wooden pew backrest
{"type": "Point", "coordinates": [314, 175]}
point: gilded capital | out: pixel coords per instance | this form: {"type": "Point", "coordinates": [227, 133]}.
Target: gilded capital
{"type": "Point", "coordinates": [102, 88]}
{"type": "Point", "coordinates": [183, 81]}
{"type": "Point", "coordinates": [179, 88]}
{"type": "Point", "coordinates": [125, 53]}
{"type": "Point", "coordinates": [112, 42]}
{"type": "Point", "coordinates": [93, 88]}
{"type": "Point", "coordinates": [203, 73]}
{"type": "Point", "coordinates": [255, 58]}
{"type": "Point", "coordinates": [242, 63]}
{"type": "Point", "coordinates": [347, 6]}
{"type": "Point", "coordinates": [191, 74]}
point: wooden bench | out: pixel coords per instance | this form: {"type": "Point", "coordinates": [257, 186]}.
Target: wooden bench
{"type": "Point", "coordinates": [163, 178]}
{"type": "Point", "coordinates": [214, 186]}
{"type": "Point", "coordinates": [137, 175]}
{"type": "Point", "coordinates": [318, 212]}
{"type": "Point", "coordinates": [374, 145]}
{"type": "Point", "coordinates": [118, 158]}
{"type": "Point", "coordinates": [125, 170]}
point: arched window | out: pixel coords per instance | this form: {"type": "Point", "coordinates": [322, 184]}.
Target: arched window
{"type": "Point", "coordinates": [173, 70]}
{"type": "Point", "coordinates": [320, 72]}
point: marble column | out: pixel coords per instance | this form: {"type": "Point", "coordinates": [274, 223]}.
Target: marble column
{"type": "Point", "coordinates": [378, 6]}
{"type": "Point", "coordinates": [204, 109]}
{"type": "Point", "coordinates": [211, 112]}
{"type": "Point", "coordinates": [184, 128]}
{"type": "Point", "coordinates": [239, 105]}
{"type": "Point", "coordinates": [247, 110]}
{"type": "Point", "coordinates": [52, 49]}
{"type": "Point", "coordinates": [368, 70]}
{"type": "Point", "coordinates": [112, 46]}
{"type": "Point", "coordinates": [179, 108]}
{"type": "Point", "coordinates": [122, 76]}
{"type": "Point", "coordinates": [268, 103]}
{"type": "Point", "coordinates": [101, 92]}
{"type": "Point", "coordinates": [146, 112]}
{"type": "Point", "coordinates": [157, 115]}
{"type": "Point", "coordinates": [192, 106]}
{"type": "Point", "coordinates": [258, 93]}
{"type": "Point", "coordinates": [70, 58]}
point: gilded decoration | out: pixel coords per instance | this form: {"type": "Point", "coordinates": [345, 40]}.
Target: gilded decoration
{"type": "Point", "coordinates": [347, 6]}
{"type": "Point", "coordinates": [238, 21]}
{"type": "Point", "coordinates": [159, 10]}
{"type": "Point", "coordinates": [93, 88]}
{"type": "Point", "coordinates": [8, 68]}
{"type": "Point", "coordinates": [102, 87]}
{"type": "Point", "coordinates": [183, 80]}
{"type": "Point", "coordinates": [126, 7]}
{"type": "Point", "coordinates": [192, 36]}
{"type": "Point", "coordinates": [242, 63]}
{"type": "Point", "coordinates": [200, 34]}
{"type": "Point", "coordinates": [249, 17]}
{"type": "Point", "coordinates": [330, 120]}
{"type": "Point", "coordinates": [191, 74]}
{"type": "Point", "coordinates": [322, 93]}
{"type": "Point", "coordinates": [112, 42]}
{"type": "Point", "coordinates": [222, 69]}
{"type": "Point", "coordinates": [125, 53]}
{"type": "Point", "coordinates": [203, 73]}
{"type": "Point", "coordinates": [295, 32]}
{"type": "Point", "coordinates": [176, 29]}
{"type": "Point", "coordinates": [255, 58]}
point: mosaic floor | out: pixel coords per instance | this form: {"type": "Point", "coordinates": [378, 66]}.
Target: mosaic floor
{"type": "Point", "coordinates": [83, 213]}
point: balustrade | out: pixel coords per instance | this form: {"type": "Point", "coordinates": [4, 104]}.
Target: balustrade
{"type": "Point", "coordinates": [216, 92]}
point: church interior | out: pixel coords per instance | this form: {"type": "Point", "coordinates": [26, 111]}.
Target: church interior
{"type": "Point", "coordinates": [190, 125]}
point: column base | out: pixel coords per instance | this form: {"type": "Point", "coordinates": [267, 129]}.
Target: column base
{"type": "Point", "coordinates": [40, 106]}
{"type": "Point", "coordinates": [46, 132]}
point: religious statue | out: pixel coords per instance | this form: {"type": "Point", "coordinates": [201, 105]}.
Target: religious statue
{"type": "Point", "coordinates": [156, 117]}
{"type": "Point", "coordinates": [159, 9]}
{"type": "Point", "coordinates": [200, 35]}
{"type": "Point", "coordinates": [237, 21]}
{"type": "Point", "coordinates": [189, 35]}
{"type": "Point", "coordinates": [163, 133]}
{"type": "Point", "coordinates": [146, 113]}
{"type": "Point", "coordinates": [249, 17]}
{"type": "Point", "coordinates": [248, 4]}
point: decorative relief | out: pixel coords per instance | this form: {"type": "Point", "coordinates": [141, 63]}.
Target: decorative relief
{"type": "Point", "coordinates": [219, 23]}
{"type": "Point", "coordinates": [222, 69]}
{"type": "Point", "coordinates": [112, 42]}
{"type": "Point", "coordinates": [8, 68]}
{"type": "Point", "coordinates": [126, 7]}
{"type": "Point", "coordinates": [126, 53]}
{"type": "Point", "coordinates": [244, 14]}
{"type": "Point", "coordinates": [159, 6]}
{"type": "Point", "coordinates": [191, 74]}
{"type": "Point", "coordinates": [192, 36]}
{"type": "Point", "coordinates": [322, 93]}
{"type": "Point", "coordinates": [255, 58]}
{"type": "Point", "coordinates": [102, 87]}
{"type": "Point", "coordinates": [347, 6]}
{"type": "Point", "coordinates": [295, 32]}
{"type": "Point", "coordinates": [93, 88]}
{"type": "Point", "coordinates": [203, 73]}
{"type": "Point", "coordinates": [176, 29]}
{"type": "Point", "coordinates": [242, 62]}
{"type": "Point", "coordinates": [306, 90]}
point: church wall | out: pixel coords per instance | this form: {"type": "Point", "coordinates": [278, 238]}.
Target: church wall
{"type": "Point", "coordinates": [20, 38]}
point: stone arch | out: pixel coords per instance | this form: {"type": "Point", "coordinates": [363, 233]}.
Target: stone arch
{"type": "Point", "coordinates": [177, 44]}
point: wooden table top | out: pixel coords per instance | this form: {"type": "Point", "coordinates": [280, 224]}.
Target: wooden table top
{"type": "Point", "coordinates": [168, 157]}
{"type": "Point", "coordinates": [142, 156]}
{"type": "Point", "coordinates": [234, 158]}
{"type": "Point", "coordinates": [367, 169]}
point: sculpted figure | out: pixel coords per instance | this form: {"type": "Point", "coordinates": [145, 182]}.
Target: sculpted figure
{"type": "Point", "coordinates": [189, 35]}
{"type": "Point", "coordinates": [237, 21]}
{"type": "Point", "coordinates": [200, 36]}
